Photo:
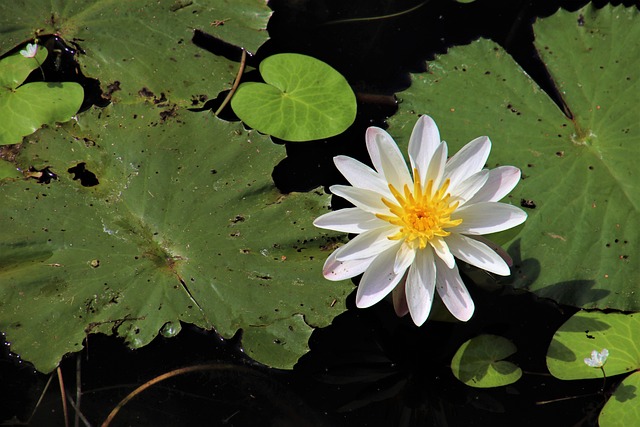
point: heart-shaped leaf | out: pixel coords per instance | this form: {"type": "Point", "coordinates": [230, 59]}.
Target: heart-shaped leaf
{"type": "Point", "coordinates": [303, 99]}
{"type": "Point", "coordinates": [25, 108]}
{"type": "Point", "coordinates": [479, 362]}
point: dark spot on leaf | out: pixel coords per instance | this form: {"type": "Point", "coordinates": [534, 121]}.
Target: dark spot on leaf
{"type": "Point", "coordinates": [198, 99]}
{"type": "Point", "coordinates": [237, 219]}
{"type": "Point", "coordinates": [591, 337]}
{"type": "Point", "coordinates": [112, 87]}
{"type": "Point", "coordinates": [95, 263]}
{"type": "Point", "coordinates": [146, 93]}
{"type": "Point", "coordinates": [277, 341]}
{"type": "Point", "coordinates": [527, 203]}
{"type": "Point", "coordinates": [581, 20]}
{"type": "Point", "coordinates": [167, 114]}
{"type": "Point", "coordinates": [86, 177]}
{"type": "Point", "coordinates": [213, 171]}
{"type": "Point", "coordinates": [590, 168]}
{"type": "Point", "coordinates": [560, 153]}
{"type": "Point", "coordinates": [529, 165]}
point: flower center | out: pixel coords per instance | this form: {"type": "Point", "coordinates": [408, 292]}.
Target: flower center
{"type": "Point", "coordinates": [423, 214]}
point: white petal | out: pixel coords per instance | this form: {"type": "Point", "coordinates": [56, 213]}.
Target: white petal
{"type": "Point", "coordinates": [349, 220]}
{"type": "Point", "coordinates": [435, 171]}
{"type": "Point", "coordinates": [360, 175]}
{"type": "Point", "coordinates": [469, 160]}
{"type": "Point", "coordinates": [424, 140]}
{"type": "Point", "coordinates": [476, 253]}
{"type": "Point", "coordinates": [405, 256]}
{"type": "Point", "coordinates": [387, 158]}
{"type": "Point", "coordinates": [400, 300]}
{"type": "Point", "coordinates": [336, 270]}
{"type": "Point", "coordinates": [500, 183]}
{"type": "Point", "coordinates": [488, 217]}
{"type": "Point", "coordinates": [368, 244]}
{"type": "Point", "coordinates": [367, 200]}
{"type": "Point", "coordinates": [420, 286]}
{"type": "Point", "coordinates": [497, 249]}
{"type": "Point", "coordinates": [441, 249]}
{"type": "Point", "coordinates": [379, 279]}
{"type": "Point", "coordinates": [453, 293]}
{"type": "Point", "coordinates": [469, 187]}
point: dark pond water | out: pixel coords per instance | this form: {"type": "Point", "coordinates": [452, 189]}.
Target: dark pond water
{"type": "Point", "coordinates": [368, 368]}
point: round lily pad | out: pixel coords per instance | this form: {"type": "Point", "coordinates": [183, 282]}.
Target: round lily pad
{"type": "Point", "coordinates": [479, 362]}
{"type": "Point", "coordinates": [303, 99]}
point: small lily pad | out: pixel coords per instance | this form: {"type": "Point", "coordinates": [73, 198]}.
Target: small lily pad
{"type": "Point", "coordinates": [26, 108]}
{"type": "Point", "coordinates": [303, 99]}
{"type": "Point", "coordinates": [479, 362]}
{"type": "Point", "coordinates": [587, 331]}
{"type": "Point", "coordinates": [623, 408]}
{"type": "Point", "coordinates": [619, 333]}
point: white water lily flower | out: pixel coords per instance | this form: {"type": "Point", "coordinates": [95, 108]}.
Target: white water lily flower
{"type": "Point", "coordinates": [30, 51]}
{"type": "Point", "coordinates": [597, 360]}
{"type": "Point", "coordinates": [411, 225]}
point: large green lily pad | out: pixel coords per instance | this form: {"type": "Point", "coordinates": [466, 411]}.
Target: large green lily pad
{"type": "Point", "coordinates": [581, 243]}
{"type": "Point", "coordinates": [144, 44]}
{"type": "Point", "coordinates": [179, 227]}
{"type": "Point", "coordinates": [24, 108]}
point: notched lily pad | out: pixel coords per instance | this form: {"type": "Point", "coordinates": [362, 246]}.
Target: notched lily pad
{"type": "Point", "coordinates": [25, 108]}
{"type": "Point", "coordinates": [479, 362]}
{"type": "Point", "coordinates": [619, 333]}
{"type": "Point", "coordinates": [303, 99]}
{"type": "Point", "coordinates": [581, 243]}
{"type": "Point", "coordinates": [587, 331]}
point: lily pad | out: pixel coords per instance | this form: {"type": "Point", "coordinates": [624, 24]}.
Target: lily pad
{"type": "Point", "coordinates": [303, 99]}
{"type": "Point", "coordinates": [479, 362]}
{"type": "Point", "coordinates": [620, 334]}
{"type": "Point", "coordinates": [623, 407]}
{"type": "Point", "coordinates": [152, 222]}
{"type": "Point", "coordinates": [587, 331]}
{"type": "Point", "coordinates": [144, 46]}
{"type": "Point", "coordinates": [581, 242]}
{"type": "Point", "coordinates": [24, 108]}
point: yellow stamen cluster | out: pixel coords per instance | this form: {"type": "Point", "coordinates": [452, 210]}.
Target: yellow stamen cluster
{"type": "Point", "coordinates": [422, 215]}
